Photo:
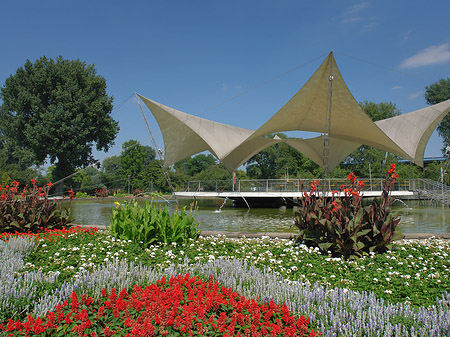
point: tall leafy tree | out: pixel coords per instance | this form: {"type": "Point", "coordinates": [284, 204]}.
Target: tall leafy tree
{"type": "Point", "coordinates": [111, 173]}
{"type": "Point", "coordinates": [57, 110]}
{"type": "Point", "coordinates": [271, 162]}
{"type": "Point", "coordinates": [193, 165]}
{"type": "Point", "coordinates": [435, 93]}
{"type": "Point", "coordinates": [136, 160]}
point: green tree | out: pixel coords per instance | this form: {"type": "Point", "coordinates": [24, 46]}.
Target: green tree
{"type": "Point", "coordinates": [87, 180]}
{"type": "Point", "coordinates": [436, 93]}
{"type": "Point", "coordinates": [215, 176]}
{"type": "Point", "coordinates": [271, 162]}
{"type": "Point", "coordinates": [111, 173]}
{"type": "Point", "coordinates": [368, 159]}
{"type": "Point", "coordinates": [57, 110]}
{"type": "Point", "coordinates": [134, 159]}
{"type": "Point", "coordinates": [193, 165]}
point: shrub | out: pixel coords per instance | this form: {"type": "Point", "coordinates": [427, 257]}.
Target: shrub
{"type": "Point", "coordinates": [101, 193]}
{"type": "Point", "coordinates": [30, 210]}
{"type": "Point", "coordinates": [81, 195]}
{"type": "Point", "coordinates": [138, 191]}
{"type": "Point", "coordinates": [334, 224]}
{"type": "Point", "coordinates": [147, 224]}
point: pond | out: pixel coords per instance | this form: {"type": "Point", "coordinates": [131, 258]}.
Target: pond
{"type": "Point", "coordinates": [415, 217]}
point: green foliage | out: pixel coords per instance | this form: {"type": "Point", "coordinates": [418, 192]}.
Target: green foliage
{"type": "Point", "coordinates": [404, 265]}
{"type": "Point", "coordinates": [334, 226]}
{"type": "Point", "coordinates": [379, 111]}
{"type": "Point", "coordinates": [215, 174]}
{"type": "Point", "coordinates": [62, 104]}
{"type": "Point", "coordinates": [194, 165]}
{"type": "Point", "coordinates": [433, 171]}
{"type": "Point", "coordinates": [110, 175]}
{"type": "Point", "coordinates": [271, 162]}
{"type": "Point", "coordinates": [30, 211]}
{"type": "Point", "coordinates": [435, 93]}
{"type": "Point", "coordinates": [409, 171]}
{"type": "Point", "coordinates": [147, 225]}
{"type": "Point", "coordinates": [137, 163]}
{"type": "Point", "coordinates": [368, 159]}
{"type": "Point", "coordinates": [81, 195]}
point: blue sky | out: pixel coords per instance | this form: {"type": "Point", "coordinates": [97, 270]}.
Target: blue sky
{"type": "Point", "coordinates": [223, 60]}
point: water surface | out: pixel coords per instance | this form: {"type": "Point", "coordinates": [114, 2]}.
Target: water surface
{"type": "Point", "coordinates": [415, 218]}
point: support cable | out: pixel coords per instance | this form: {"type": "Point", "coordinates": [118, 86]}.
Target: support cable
{"type": "Point", "coordinates": [158, 151]}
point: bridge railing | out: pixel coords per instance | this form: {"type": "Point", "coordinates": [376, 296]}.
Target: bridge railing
{"type": "Point", "coordinates": [432, 190]}
{"type": "Point", "coordinates": [282, 185]}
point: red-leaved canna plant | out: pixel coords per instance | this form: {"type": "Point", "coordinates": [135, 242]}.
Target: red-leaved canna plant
{"type": "Point", "coordinates": [101, 193]}
{"type": "Point", "coordinates": [181, 306]}
{"type": "Point", "coordinates": [30, 210]}
{"type": "Point", "coordinates": [334, 225]}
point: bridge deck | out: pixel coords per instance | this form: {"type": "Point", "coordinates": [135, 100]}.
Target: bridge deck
{"type": "Point", "coordinates": [282, 194]}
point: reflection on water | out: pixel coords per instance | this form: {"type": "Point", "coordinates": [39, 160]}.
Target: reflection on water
{"type": "Point", "coordinates": [424, 219]}
{"type": "Point", "coordinates": [414, 219]}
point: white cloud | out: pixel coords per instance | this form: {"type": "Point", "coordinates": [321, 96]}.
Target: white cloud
{"type": "Point", "coordinates": [395, 87]}
{"type": "Point", "coordinates": [352, 20]}
{"type": "Point", "coordinates": [224, 87]}
{"type": "Point", "coordinates": [357, 7]}
{"type": "Point", "coordinates": [428, 56]}
{"type": "Point", "coordinates": [415, 94]}
{"type": "Point", "coordinates": [352, 16]}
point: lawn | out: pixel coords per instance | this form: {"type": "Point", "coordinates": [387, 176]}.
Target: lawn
{"type": "Point", "coordinates": [400, 293]}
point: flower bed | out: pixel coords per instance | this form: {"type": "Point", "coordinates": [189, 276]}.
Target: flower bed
{"type": "Point", "coordinates": [330, 291]}
{"type": "Point", "coordinates": [183, 304]}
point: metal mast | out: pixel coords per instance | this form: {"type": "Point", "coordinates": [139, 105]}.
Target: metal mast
{"type": "Point", "coordinates": [326, 135]}
{"type": "Point", "coordinates": [158, 151]}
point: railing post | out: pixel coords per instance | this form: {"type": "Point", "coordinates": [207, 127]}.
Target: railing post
{"type": "Point", "coordinates": [239, 185]}
{"type": "Point", "coordinates": [267, 185]}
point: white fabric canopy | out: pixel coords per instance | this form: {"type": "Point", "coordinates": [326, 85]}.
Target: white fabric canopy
{"type": "Point", "coordinates": [185, 135]}
{"type": "Point", "coordinates": [405, 135]}
{"type": "Point", "coordinates": [306, 111]}
{"type": "Point", "coordinates": [413, 130]}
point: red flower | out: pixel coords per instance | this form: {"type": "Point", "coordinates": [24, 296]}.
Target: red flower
{"type": "Point", "coordinates": [351, 177]}
{"type": "Point", "coordinates": [392, 169]}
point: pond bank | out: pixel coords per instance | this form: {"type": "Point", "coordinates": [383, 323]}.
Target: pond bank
{"type": "Point", "coordinates": [406, 236]}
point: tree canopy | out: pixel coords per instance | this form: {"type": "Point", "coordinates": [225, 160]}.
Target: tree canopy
{"type": "Point", "coordinates": [435, 93]}
{"type": "Point", "coordinates": [135, 160]}
{"type": "Point", "coordinates": [271, 162]}
{"type": "Point", "coordinates": [57, 110]}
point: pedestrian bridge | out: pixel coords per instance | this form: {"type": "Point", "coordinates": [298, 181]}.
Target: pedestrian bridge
{"type": "Point", "coordinates": [281, 192]}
